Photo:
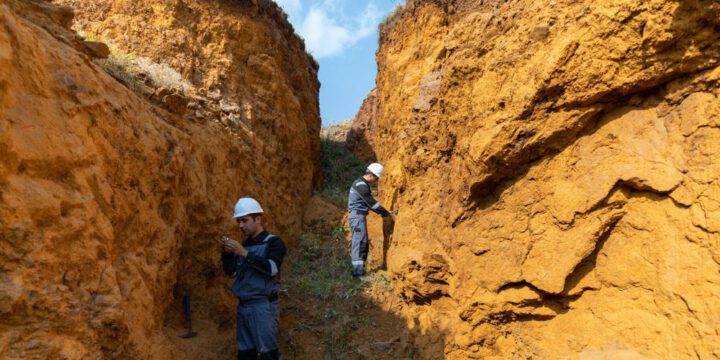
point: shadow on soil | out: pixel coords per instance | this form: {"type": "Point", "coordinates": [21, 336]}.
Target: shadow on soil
{"type": "Point", "coordinates": [325, 312]}
{"type": "Point", "coordinates": [330, 315]}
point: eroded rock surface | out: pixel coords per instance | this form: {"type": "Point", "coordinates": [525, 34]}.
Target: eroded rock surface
{"type": "Point", "coordinates": [555, 164]}
{"type": "Point", "coordinates": [110, 207]}
{"type": "Point", "coordinates": [245, 51]}
{"type": "Point", "coordinates": [357, 134]}
{"type": "Point", "coordinates": [361, 135]}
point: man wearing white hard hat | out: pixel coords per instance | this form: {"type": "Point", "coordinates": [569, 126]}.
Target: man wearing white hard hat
{"type": "Point", "coordinates": [360, 203]}
{"type": "Point", "coordinates": [256, 266]}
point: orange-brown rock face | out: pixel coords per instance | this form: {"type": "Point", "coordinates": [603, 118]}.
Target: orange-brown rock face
{"type": "Point", "coordinates": [361, 135]}
{"type": "Point", "coordinates": [358, 133]}
{"type": "Point", "coordinates": [246, 50]}
{"type": "Point", "coordinates": [555, 165]}
{"type": "Point", "coordinates": [110, 208]}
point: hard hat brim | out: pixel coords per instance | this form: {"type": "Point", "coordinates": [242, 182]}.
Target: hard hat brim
{"type": "Point", "coordinates": [246, 213]}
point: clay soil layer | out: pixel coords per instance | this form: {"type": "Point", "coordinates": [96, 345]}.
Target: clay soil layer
{"type": "Point", "coordinates": [111, 205]}
{"type": "Point", "coordinates": [555, 165]}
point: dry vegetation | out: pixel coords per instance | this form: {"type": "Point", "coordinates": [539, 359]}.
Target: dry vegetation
{"type": "Point", "coordinates": [136, 72]}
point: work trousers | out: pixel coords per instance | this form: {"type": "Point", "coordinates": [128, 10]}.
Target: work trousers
{"type": "Point", "coordinates": [258, 330]}
{"type": "Point", "coordinates": [359, 250]}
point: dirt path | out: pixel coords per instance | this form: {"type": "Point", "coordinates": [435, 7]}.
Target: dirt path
{"type": "Point", "coordinates": [325, 312]}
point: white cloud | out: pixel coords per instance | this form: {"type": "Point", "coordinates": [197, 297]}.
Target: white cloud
{"type": "Point", "coordinates": [328, 31]}
{"type": "Point", "coordinates": [322, 36]}
{"type": "Point", "coordinates": [369, 20]}
{"type": "Point", "coordinates": [332, 5]}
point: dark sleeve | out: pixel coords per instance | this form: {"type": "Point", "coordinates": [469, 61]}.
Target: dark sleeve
{"type": "Point", "coordinates": [364, 190]}
{"type": "Point", "coordinates": [229, 263]}
{"type": "Point", "coordinates": [269, 266]}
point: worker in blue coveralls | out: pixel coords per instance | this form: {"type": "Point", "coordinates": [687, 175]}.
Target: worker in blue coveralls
{"type": "Point", "coordinates": [256, 266]}
{"type": "Point", "coordinates": [360, 203]}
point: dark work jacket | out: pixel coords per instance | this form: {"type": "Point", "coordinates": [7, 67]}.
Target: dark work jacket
{"type": "Point", "coordinates": [257, 276]}
{"type": "Point", "coordinates": [360, 199]}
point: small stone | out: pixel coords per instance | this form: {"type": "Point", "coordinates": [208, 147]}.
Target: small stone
{"type": "Point", "coordinates": [463, 340]}
{"type": "Point", "coordinates": [214, 95]}
{"type": "Point", "coordinates": [234, 121]}
{"type": "Point", "coordinates": [176, 103]}
{"type": "Point", "coordinates": [70, 276]}
{"type": "Point", "coordinates": [69, 82]}
{"type": "Point", "coordinates": [146, 91]}
{"type": "Point", "coordinates": [97, 49]}
{"type": "Point", "coordinates": [163, 92]}
{"type": "Point", "coordinates": [33, 344]}
{"type": "Point", "coordinates": [227, 107]}
{"type": "Point", "coordinates": [539, 32]}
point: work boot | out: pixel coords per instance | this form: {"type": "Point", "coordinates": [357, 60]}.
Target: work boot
{"type": "Point", "coordinates": [358, 271]}
{"type": "Point", "coordinates": [362, 278]}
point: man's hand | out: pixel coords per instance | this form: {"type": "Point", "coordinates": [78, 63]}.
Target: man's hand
{"type": "Point", "coordinates": [393, 216]}
{"type": "Point", "coordinates": [232, 246]}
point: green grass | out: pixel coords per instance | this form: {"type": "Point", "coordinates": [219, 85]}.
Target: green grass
{"type": "Point", "coordinates": [331, 304]}
{"type": "Point", "coordinates": [319, 269]}
{"type": "Point", "coordinates": [320, 275]}
{"type": "Point", "coordinates": [340, 168]}
{"type": "Point", "coordinates": [322, 271]}
{"type": "Point", "coordinates": [339, 232]}
{"type": "Point", "coordinates": [321, 266]}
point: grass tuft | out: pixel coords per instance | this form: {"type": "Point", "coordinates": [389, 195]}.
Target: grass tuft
{"type": "Point", "coordinates": [389, 21]}
{"type": "Point", "coordinates": [135, 72]}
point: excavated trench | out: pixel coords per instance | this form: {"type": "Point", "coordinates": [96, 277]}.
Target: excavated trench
{"type": "Point", "coordinates": [554, 165]}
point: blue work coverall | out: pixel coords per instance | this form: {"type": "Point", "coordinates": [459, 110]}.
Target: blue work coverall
{"type": "Point", "coordinates": [256, 285]}
{"type": "Point", "coordinates": [360, 202]}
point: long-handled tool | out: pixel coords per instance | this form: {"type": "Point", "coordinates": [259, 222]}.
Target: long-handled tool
{"type": "Point", "coordinates": [188, 316]}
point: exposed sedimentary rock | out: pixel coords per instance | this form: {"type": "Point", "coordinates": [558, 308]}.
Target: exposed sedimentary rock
{"type": "Point", "coordinates": [110, 207]}
{"type": "Point", "coordinates": [361, 134]}
{"type": "Point", "coordinates": [357, 134]}
{"type": "Point", "coordinates": [555, 164]}
{"type": "Point", "coordinates": [244, 50]}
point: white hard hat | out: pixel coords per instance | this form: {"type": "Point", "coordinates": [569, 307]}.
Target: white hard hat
{"type": "Point", "coordinates": [376, 169]}
{"type": "Point", "coordinates": [247, 206]}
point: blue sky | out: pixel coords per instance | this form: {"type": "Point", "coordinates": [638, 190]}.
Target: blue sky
{"type": "Point", "coordinates": [342, 36]}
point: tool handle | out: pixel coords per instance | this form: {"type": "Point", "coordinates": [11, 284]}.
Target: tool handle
{"type": "Point", "coordinates": [186, 301]}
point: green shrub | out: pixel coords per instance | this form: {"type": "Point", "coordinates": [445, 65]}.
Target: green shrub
{"type": "Point", "coordinates": [339, 232]}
